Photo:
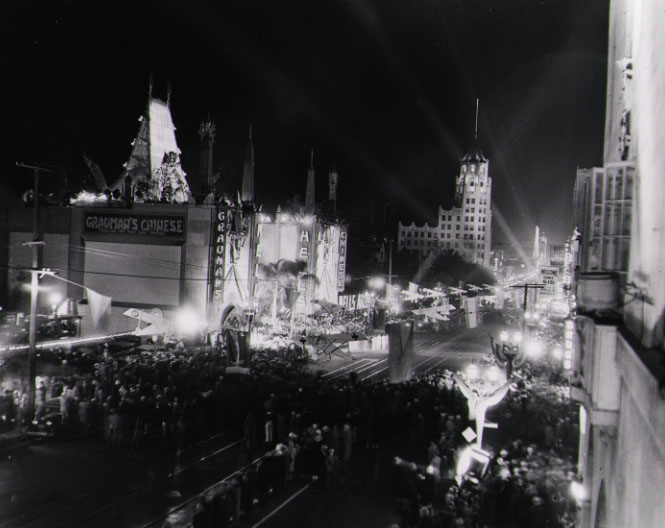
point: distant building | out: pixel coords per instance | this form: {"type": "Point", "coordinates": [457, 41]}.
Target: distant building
{"type": "Point", "coordinates": [540, 254]}
{"type": "Point", "coordinates": [557, 254]}
{"type": "Point", "coordinates": [466, 228]}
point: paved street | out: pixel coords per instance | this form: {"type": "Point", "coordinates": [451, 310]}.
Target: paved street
{"type": "Point", "coordinates": [81, 482]}
{"type": "Point", "coordinates": [431, 352]}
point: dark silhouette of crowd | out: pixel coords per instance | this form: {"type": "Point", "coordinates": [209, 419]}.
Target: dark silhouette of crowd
{"type": "Point", "coordinates": [297, 424]}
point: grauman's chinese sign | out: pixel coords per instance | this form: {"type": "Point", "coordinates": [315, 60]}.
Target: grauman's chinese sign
{"type": "Point", "coordinates": [220, 234]}
{"type": "Point", "coordinates": [135, 224]}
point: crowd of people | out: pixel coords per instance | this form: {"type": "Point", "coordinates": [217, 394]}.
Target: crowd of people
{"type": "Point", "coordinates": [302, 425]}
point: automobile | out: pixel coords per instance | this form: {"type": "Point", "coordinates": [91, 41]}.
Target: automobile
{"type": "Point", "coordinates": [48, 425]}
{"type": "Point", "coordinates": [49, 422]}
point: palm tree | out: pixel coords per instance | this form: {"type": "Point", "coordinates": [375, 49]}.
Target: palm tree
{"type": "Point", "coordinates": [285, 278]}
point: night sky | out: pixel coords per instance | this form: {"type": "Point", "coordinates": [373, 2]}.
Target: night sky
{"type": "Point", "coordinates": [385, 90]}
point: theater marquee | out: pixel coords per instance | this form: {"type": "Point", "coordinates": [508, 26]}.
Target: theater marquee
{"type": "Point", "coordinates": [135, 224]}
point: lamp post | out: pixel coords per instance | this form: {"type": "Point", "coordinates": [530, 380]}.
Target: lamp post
{"type": "Point", "coordinates": [508, 350]}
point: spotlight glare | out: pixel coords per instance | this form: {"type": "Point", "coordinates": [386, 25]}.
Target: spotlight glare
{"type": "Point", "coordinates": [472, 371]}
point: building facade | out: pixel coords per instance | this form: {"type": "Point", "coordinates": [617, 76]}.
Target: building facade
{"type": "Point", "coordinates": [603, 213]}
{"type": "Point", "coordinates": [619, 375]}
{"type": "Point", "coordinates": [467, 227]}
{"type": "Point", "coordinates": [143, 243]}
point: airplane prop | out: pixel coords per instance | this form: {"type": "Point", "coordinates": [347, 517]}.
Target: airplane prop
{"type": "Point", "coordinates": [156, 323]}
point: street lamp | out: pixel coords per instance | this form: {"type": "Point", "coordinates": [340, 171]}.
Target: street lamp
{"type": "Point", "coordinates": [508, 350]}
{"type": "Point", "coordinates": [377, 283]}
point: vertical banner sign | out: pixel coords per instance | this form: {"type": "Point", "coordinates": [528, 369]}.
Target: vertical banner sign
{"type": "Point", "coordinates": [304, 243]}
{"type": "Point", "coordinates": [220, 236]}
{"type": "Point", "coordinates": [341, 264]}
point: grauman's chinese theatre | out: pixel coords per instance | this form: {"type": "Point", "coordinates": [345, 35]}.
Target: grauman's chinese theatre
{"type": "Point", "coordinates": [142, 242]}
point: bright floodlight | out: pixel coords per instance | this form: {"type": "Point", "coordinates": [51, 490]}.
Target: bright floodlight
{"type": "Point", "coordinates": [187, 320]}
{"type": "Point", "coordinates": [464, 462]}
{"type": "Point", "coordinates": [534, 348]}
{"type": "Point", "coordinates": [493, 373]}
{"type": "Point", "coordinates": [472, 456]}
{"type": "Point", "coordinates": [472, 371]}
{"type": "Point", "coordinates": [55, 298]}
{"type": "Point", "coordinates": [517, 338]}
{"type": "Point", "coordinates": [503, 336]}
{"type": "Point", "coordinates": [557, 352]}
{"type": "Point", "coordinates": [377, 283]}
{"type": "Point", "coordinates": [527, 315]}
{"type": "Point", "coordinates": [578, 491]}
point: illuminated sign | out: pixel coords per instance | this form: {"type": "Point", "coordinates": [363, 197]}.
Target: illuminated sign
{"type": "Point", "coordinates": [304, 244]}
{"type": "Point", "coordinates": [220, 235]}
{"type": "Point", "coordinates": [135, 224]}
{"type": "Point", "coordinates": [341, 266]}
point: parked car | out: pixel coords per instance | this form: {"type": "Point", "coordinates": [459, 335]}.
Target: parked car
{"type": "Point", "coordinates": [49, 421]}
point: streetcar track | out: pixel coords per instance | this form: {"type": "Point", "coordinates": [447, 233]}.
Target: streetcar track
{"type": "Point", "coordinates": [204, 492]}
{"type": "Point", "coordinates": [367, 367]}
{"type": "Point", "coordinates": [158, 481]}
{"type": "Point", "coordinates": [350, 365]}
{"type": "Point", "coordinates": [273, 512]}
{"type": "Point", "coordinates": [167, 459]}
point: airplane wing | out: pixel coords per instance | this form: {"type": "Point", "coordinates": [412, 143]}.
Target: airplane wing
{"type": "Point", "coordinates": [457, 291]}
{"type": "Point", "coordinates": [445, 308]}
{"type": "Point", "coordinates": [432, 313]}
{"type": "Point", "coordinates": [154, 329]}
{"type": "Point", "coordinates": [157, 324]}
{"type": "Point", "coordinates": [474, 288]}
{"type": "Point", "coordinates": [411, 296]}
{"type": "Point", "coordinates": [433, 293]}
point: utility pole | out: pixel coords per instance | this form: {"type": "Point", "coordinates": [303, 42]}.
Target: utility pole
{"type": "Point", "coordinates": [34, 287]}
{"type": "Point", "coordinates": [527, 287]}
